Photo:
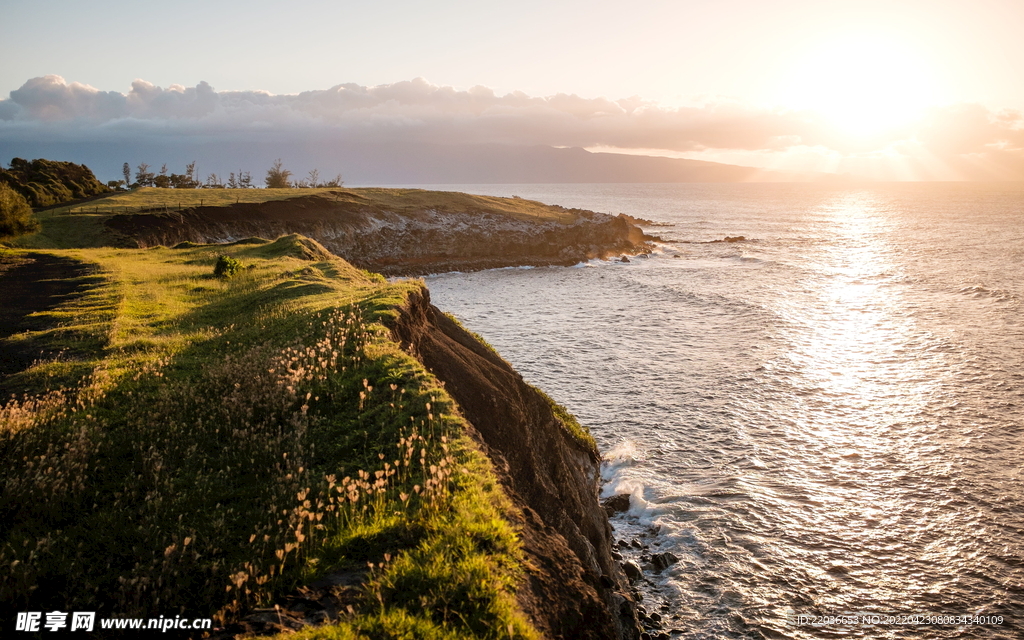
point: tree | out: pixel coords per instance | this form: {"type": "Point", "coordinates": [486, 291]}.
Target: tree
{"type": "Point", "coordinates": [127, 172]}
{"type": "Point", "coordinates": [193, 175]}
{"type": "Point", "coordinates": [44, 183]}
{"type": "Point", "coordinates": [213, 182]}
{"type": "Point", "coordinates": [162, 180]}
{"type": "Point", "coordinates": [334, 183]}
{"type": "Point", "coordinates": [244, 180]}
{"type": "Point", "coordinates": [232, 181]}
{"type": "Point", "coordinates": [314, 178]}
{"type": "Point", "coordinates": [144, 177]}
{"type": "Point", "coordinates": [277, 177]}
{"type": "Point", "coordinates": [186, 180]}
{"type": "Point", "coordinates": [15, 214]}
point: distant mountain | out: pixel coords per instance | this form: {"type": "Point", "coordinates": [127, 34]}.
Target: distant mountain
{"type": "Point", "coordinates": [369, 162]}
{"type": "Point", "coordinates": [438, 164]}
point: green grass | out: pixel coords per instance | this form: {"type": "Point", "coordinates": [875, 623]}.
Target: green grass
{"type": "Point", "coordinates": [82, 225]}
{"type": "Point", "coordinates": [569, 422]}
{"type": "Point", "coordinates": [400, 200]}
{"type": "Point", "coordinates": [419, 199]}
{"type": "Point", "coordinates": [220, 441]}
{"type": "Point", "coordinates": [156, 198]}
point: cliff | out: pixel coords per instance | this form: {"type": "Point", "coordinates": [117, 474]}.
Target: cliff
{"type": "Point", "coordinates": [574, 588]}
{"type": "Point", "coordinates": [402, 232]}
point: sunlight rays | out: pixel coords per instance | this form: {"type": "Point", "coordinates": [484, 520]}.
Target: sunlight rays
{"type": "Point", "coordinates": [864, 85]}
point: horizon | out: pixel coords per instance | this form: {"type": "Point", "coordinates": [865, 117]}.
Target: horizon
{"type": "Point", "coordinates": [920, 92]}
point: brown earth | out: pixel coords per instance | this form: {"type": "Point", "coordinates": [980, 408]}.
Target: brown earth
{"type": "Point", "coordinates": [31, 284]}
{"type": "Point", "coordinates": [574, 588]}
{"type": "Point", "coordinates": [396, 240]}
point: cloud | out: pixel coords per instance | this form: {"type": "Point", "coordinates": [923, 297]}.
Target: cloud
{"type": "Point", "coordinates": [50, 98]}
{"type": "Point", "coordinates": [412, 111]}
{"type": "Point", "coordinates": [960, 138]}
{"type": "Point", "coordinates": [970, 129]}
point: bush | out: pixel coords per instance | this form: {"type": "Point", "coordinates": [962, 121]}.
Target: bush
{"type": "Point", "coordinates": [226, 267]}
{"type": "Point", "coordinates": [15, 214]}
{"type": "Point", "coordinates": [46, 183]}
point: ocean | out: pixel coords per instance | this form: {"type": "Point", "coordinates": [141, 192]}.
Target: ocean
{"type": "Point", "coordinates": [822, 421]}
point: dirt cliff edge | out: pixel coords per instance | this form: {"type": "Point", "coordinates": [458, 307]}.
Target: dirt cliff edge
{"type": "Point", "coordinates": [573, 587]}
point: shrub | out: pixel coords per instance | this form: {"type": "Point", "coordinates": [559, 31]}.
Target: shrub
{"type": "Point", "coordinates": [226, 267]}
{"type": "Point", "coordinates": [48, 182]}
{"type": "Point", "coordinates": [15, 214]}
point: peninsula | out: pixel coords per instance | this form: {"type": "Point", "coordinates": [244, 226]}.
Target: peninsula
{"type": "Point", "coordinates": [389, 231]}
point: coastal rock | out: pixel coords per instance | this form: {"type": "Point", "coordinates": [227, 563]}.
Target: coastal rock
{"type": "Point", "coordinates": [616, 504]}
{"type": "Point", "coordinates": [662, 561]}
{"type": "Point", "coordinates": [632, 570]}
{"type": "Point", "coordinates": [731, 239]}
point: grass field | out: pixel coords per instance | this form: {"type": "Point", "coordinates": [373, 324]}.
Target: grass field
{"type": "Point", "coordinates": [399, 200]}
{"type": "Point", "coordinates": [203, 445]}
{"type": "Point", "coordinates": [82, 225]}
{"type": "Point", "coordinates": [152, 198]}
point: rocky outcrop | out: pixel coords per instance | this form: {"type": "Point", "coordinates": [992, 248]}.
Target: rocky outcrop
{"type": "Point", "coordinates": [573, 587]}
{"type": "Point", "coordinates": [401, 240]}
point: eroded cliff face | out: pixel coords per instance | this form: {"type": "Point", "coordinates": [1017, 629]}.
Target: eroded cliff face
{"type": "Point", "coordinates": [573, 587]}
{"type": "Point", "coordinates": [409, 242]}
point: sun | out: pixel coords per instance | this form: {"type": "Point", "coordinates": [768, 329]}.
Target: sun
{"type": "Point", "coordinates": [863, 85]}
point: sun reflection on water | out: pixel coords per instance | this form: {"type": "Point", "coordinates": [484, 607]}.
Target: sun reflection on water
{"type": "Point", "coordinates": [856, 406]}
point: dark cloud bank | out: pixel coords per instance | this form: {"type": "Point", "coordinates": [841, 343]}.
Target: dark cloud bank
{"type": "Point", "coordinates": [411, 132]}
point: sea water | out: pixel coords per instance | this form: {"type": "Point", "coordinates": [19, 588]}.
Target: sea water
{"type": "Point", "coordinates": [823, 422]}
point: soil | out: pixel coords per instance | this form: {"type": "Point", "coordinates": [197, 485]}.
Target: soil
{"type": "Point", "coordinates": [30, 284]}
{"type": "Point", "coordinates": [574, 588]}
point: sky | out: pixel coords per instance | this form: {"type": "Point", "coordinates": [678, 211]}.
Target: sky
{"type": "Point", "coordinates": [888, 90]}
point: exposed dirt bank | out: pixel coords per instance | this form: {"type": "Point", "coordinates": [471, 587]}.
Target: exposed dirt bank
{"type": "Point", "coordinates": [31, 284]}
{"type": "Point", "coordinates": [397, 241]}
{"type": "Point", "coordinates": [574, 589]}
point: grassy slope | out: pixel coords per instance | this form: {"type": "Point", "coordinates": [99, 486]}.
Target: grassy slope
{"type": "Point", "coordinates": [210, 443]}
{"type": "Point", "coordinates": [82, 225]}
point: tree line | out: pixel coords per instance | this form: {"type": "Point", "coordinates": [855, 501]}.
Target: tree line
{"type": "Point", "coordinates": [36, 184]}
{"type": "Point", "coordinates": [45, 183]}
{"type": "Point", "coordinates": [277, 178]}
{"type": "Point", "coordinates": [28, 184]}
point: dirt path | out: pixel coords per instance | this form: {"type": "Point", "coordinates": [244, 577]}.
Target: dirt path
{"type": "Point", "coordinates": [30, 283]}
